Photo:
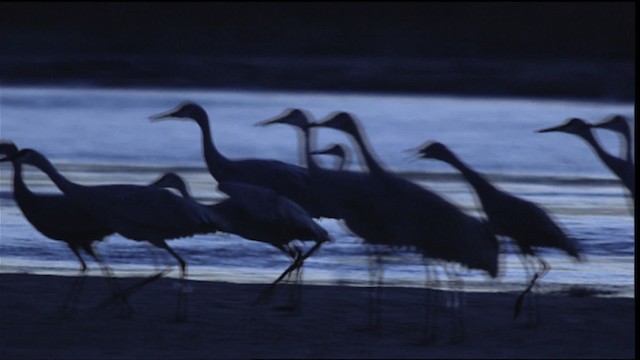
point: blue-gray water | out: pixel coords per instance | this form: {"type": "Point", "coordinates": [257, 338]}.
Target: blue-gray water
{"type": "Point", "coordinates": [98, 136]}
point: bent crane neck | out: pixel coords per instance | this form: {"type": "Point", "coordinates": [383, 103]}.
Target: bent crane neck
{"type": "Point", "coordinates": [20, 189]}
{"type": "Point", "coordinates": [595, 145]}
{"type": "Point", "coordinates": [479, 183]}
{"type": "Point", "coordinates": [623, 169]}
{"type": "Point", "coordinates": [66, 186]}
{"type": "Point", "coordinates": [306, 137]}
{"type": "Point", "coordinates": [365, 151]}
{"type": "Point", "coordinates": [214, 159]}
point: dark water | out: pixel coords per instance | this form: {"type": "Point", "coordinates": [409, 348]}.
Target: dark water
{"type": "Point", "coordinates": [98, 136]}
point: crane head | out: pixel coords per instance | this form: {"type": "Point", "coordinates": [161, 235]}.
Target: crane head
{"type": "Point", "coordinates": [433, 150]}
{"type": "Point", "coordinates": [292, 116]}
{"type": "Point", "coordinates": [23, 155]}
{"type": "Point", "coordinates": [574, 126]}
{"type": "Point", "coordinates": [184, 110]}
{"type": "Point", "coordinates": [8, 148]}
{"type": "Point", "coordinates": [342, 121]}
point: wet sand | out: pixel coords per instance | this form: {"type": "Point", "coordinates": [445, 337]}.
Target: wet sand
{"type": "Point", "coordinates": [223, 323]}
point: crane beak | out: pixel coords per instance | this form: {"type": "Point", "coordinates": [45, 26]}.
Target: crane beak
{"type": "Point", "coordinates": [560, 128]}
{"type": "Point", "coordinates": [289, 116]}
{"type": "Point", "coordinates": [412, 154]}
{"type": "Point", "coordinates": [163, 115]}
{"type": "Point", "coordinates": [267, 122]}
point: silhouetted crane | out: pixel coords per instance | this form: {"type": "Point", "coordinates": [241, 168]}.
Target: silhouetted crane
{"type": "Point", "coordinates": [336, 150]}
{"type": "Point", "coordinates": [521, 220]}
{"type": "Point", "coordinates": [58, 218]}
{"type": "Point", "coordinates": [345, 195]}
{"type": "Point", "coordinates": [619, 124]}
{"type": "Point", "coordinates": [285, 179]}
{"type": "Point", "coordinates": [408, 215]}
{"type": "Point", "coordinates": [623, 169]}
{"type": "Point", "coordinates": [260, 214]}
{"type": "Point", "coordinates": [136, 212]}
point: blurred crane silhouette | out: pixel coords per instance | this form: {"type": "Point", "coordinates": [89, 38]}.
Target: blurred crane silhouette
{"type": "Point", "coordinates": [260, 214]}
{"type": "Point", "coordinates": [136, 212]}
{"type": "Point", "coordinates": [285, 179]}
{"type": "Point", "coordinates": [623, 169]}
{"type": "Point", "coordinates": [619, 124]}
{"type": "Point", "coordinates": [405, 214]}
{"type": "Point", "coordinates": [348, 196]}
{"type": "Point", "coordinates": [58, 218]}
{"type": "Point", "coordinates": [521, 220]}
{"type": "Point", "coordinates": [337, 150]}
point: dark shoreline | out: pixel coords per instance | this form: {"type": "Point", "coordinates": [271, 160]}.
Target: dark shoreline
{"type": "Point", "coordinates": [569, 79]}
{"type": "Point", "coordinates": [224, 324]}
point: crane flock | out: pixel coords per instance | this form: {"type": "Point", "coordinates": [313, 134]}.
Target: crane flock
{"type": "Point", "coordinates": [276, 203]}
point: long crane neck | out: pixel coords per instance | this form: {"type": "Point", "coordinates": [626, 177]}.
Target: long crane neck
{"type": "Point", "coordinates": [20, 188]}
{"type": "Point", "coordinates": [479, 183]}
{"type": "Point", "coordinates": [60, 181]}
{"type": "Point", "coordinates": [623, 169]}
{"type": "Point", "coordinates": [604, 156]}
{"type": "Point", "coordinates": [307, 140]}
{"type": "Point", "coordinates": [214, 159]}
{"type": "Point", "coordinates": [365, 151]}
{"type": "Point", "coordinates": [627, 145]}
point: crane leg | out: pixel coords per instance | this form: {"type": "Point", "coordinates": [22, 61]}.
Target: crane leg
{"type": "Point", "coordinates": [297, 294]}
{"type": "Point", "coordinates": [533, 312]}
{"type": "Point", "coordinates": [430, 320]}
{"type": "Point", "coordinates": [181, 310]}
{"type": "Point", "coordinates": [68, 308]}
{"type": "Point", "coordinates": [266, 293]}
{"type": "Point", "coordinates": [375, 289]}
{"type": "Point", "coordinates": [456, 303]}
{"type": "Point", "coordinates": [126, 310]}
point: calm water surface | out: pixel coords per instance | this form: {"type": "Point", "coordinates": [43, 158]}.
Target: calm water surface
{"type": "Point", "coordinates": [98, 136]}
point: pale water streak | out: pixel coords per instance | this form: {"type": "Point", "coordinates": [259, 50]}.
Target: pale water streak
{"type": "Point", "coordinates": [98, 136]}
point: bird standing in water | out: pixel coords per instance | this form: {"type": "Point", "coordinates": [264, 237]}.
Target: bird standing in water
{"type": "Point", "coordinates": [523, 221]}
{"type": "Point", "coordinates": [58, 218]}
{"type": "Point", "coordinates": [415, 216]}
{"type": "Point", "coordinates": [136, 212]}
{"type": "Point", "coordinates": [259, 214]}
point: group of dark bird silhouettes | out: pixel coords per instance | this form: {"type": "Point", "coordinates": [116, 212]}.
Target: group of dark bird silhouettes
{"type": "Point", "coordinates": [276, 203]}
